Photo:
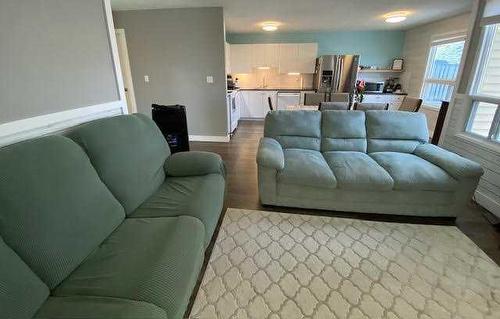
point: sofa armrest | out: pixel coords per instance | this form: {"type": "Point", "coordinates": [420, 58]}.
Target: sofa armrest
{"type": "Point", "coordinates": [455, 165]}
{"type": "Point", "coordinates": [270, 154]}
{"type": "Point", "coordinates": [194, 163]}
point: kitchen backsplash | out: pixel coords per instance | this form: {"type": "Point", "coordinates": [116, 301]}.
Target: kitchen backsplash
{"type": "Point", "coordinates": [272, 79]}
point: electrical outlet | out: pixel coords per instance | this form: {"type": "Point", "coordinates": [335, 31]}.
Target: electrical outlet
{"type": "Point", "coordinates": [210, 79]}
{"type": "Point", "coordinates": [146, 78]}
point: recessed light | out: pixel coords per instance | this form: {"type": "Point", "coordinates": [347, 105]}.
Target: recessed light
{"type": "Point", "coordinates": [396, 17]}
{"type": "Point", "coordinates": [270, 26]}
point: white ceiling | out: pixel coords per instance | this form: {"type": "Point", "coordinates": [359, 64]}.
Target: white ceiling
{"type": "Point", "coordinates": [313, 15]}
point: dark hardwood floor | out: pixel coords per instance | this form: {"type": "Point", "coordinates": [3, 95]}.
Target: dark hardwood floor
{"type": "Point", "coordinates": [240, 153]}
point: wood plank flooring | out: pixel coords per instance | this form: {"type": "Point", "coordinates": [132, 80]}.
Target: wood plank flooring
{"type": "Point", "coordinates": [240, 153]}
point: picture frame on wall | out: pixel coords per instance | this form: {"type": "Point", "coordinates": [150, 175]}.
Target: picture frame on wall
{"type": "Point", "coordinates": [398, 64]}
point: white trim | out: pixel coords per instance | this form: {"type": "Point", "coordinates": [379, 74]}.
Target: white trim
{"type": "Point", "coordinates": [20, 130]}
{"type": "Point", "coordinates": [209, 138]}
{"type": "Point", "coordinates": [488, 203]}
{"type": "Point", "coordinates": [108, 13]}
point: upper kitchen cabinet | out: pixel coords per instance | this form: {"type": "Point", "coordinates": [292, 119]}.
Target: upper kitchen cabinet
{"type": "Point", "coordinates": [266, 55]}
{"type": "Point", "coordinates": [297, 57]}
{"type": "Point", "coordinates": [227, 59]}
{"type": "Point", "coordinates": [241, 58]}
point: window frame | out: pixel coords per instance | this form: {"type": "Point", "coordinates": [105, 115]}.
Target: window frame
{"type": "Point", "coordinates": [487, 36]}
{"type": "Point", "coordinates": [431, 53]}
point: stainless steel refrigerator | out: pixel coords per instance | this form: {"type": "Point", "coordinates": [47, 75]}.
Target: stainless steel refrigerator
{"type": "Point", "coordinates": [334, 74]}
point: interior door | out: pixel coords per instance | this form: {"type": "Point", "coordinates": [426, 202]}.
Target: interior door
{"type": "Point", "coordinates": [126, 72]}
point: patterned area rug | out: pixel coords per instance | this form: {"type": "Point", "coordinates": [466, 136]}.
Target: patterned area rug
{"type": "Point", "coordinates": [273, 265]}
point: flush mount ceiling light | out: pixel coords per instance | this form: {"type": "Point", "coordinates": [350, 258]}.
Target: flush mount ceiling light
{"type": "Point", "coordinates": [396, 17]}
{"type": "Point", "coordinates": [270, 26]}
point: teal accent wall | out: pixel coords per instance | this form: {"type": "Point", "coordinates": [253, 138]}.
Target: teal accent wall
{"type": "Point", "coordinates": [374, 47]}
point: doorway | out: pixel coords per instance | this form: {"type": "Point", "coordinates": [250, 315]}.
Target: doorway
{"type": "Point", "coordinates": [121, 42]}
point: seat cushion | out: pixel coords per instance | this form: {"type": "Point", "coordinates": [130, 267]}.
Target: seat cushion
{"type": "Point", "coordinates": [128, 152]}
{"type": "Point", "coordinates": [87, 307]}
{"type": "Point", "coordinates": [198, 196]}
{"type": "Point", "coordinates": [54, 208]}
{"type": "Point", "coordinates": [306, 167]}
{"type": "Point", "coordinates": [411, 172]}
{"type": "Point", "coordinates": [155, 260]}
{"type": "Point", "coordinates": [297, 129]}
{"type": "Point", "coordinates": [21, 291]}
{"type": "Point", "coordinates": [343, 131]}
{"type": "Point", "coordinates": [358, 171]}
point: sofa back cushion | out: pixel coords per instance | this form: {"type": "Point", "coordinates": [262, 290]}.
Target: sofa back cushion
{"type": "Point", "coordinates": [393, 131]}
{"type": "Point", "coordinates": [21, 291]}
{"type": "Point", "coordinates": [295, 129]}
{"type": "Point", "coordinates": [54, 209]}
{"type": "Point", "coordinates": [343, 131]}
{"type": "Point", "coordinates": [128, 152]}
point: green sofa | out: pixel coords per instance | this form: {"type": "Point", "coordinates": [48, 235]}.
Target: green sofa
{"type": "Point", "coordinates": [104, 223]}
{"type": "Point", "coordinates": [367, 162]}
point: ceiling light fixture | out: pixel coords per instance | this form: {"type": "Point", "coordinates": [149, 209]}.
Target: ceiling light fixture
{"type": "Point", "coordinates": [270, 26]}
{"type": "Point", "coordinates": [396, 17]}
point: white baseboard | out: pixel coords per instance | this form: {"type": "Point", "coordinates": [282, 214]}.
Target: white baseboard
{"type": "Point", "coordinates": [20, 130]}
{"type": "Point", "coordinates": [487, 202]}
{"type": "Point", "coordinates": [208, 138]}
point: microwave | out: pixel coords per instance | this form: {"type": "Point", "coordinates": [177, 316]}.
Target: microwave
{"type": "Point", "coordinates": [374, 87]}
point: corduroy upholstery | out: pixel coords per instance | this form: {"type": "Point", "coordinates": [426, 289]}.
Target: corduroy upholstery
{"type": "Point", "coordinates": [372, 161]}
{"type": "Point", "coordinates": [64, 228]}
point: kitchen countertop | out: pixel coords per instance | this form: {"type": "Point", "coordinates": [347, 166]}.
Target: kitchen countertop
{"type": "Point", "coordinates": [309, 89]}
{"type": "Point", "coordinates": [275, 89]}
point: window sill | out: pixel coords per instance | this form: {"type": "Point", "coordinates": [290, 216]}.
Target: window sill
{"type": "Point", "coordinates": [484, 144]}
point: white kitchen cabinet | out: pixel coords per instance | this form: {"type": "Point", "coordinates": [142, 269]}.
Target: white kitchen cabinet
{"type": "Point", "coordinates": [288, 56]}
{"type": "Point", "coordinates": [308, 52]}
{"type": "Point", "coordinates": [265, 55]}
{"type": "Point", "coordinates": [227, 58]}
{"type": "Point", "coordinates": [394, 100]}
{"type": "Point", "coordinates": [241, 58]}
{"type": "Point", "coordinates": [298, 57]}
{"type": "Point", "coordinates": [254, 104]}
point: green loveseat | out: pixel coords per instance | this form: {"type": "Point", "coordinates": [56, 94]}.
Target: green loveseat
{"type": "Point", "coordinates": [354, 161]}
{"type": "Point", "coordinates": [104, 223]}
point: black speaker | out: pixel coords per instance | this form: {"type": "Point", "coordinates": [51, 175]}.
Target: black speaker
{"type": "Point", "coordinates": [171, 119]}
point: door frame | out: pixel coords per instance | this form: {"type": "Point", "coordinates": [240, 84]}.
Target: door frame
{"type": "Point", "coordinates": [121, 42]}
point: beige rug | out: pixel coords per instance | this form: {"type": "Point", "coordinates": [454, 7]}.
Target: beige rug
{"type": "Point", "coordinates": [271, 265]}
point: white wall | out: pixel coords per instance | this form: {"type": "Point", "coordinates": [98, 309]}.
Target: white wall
{"type": "Point", "coordinates": [416, 51]}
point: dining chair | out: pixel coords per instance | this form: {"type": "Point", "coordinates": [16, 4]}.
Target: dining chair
{"type": "Point", "coordinates": [337, 106]}
{"type": "Point", "coordinates": [410, 104]}
{"type": "Point", "coordinates": [371, 106]}
{"type": "Point", "coordinates": [270, 103]}
{"type": "Point", "coordinates": [340, 97]}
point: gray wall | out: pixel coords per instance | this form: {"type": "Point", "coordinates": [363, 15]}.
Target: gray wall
{"type": "Point", "coordinates": [178, 48]}
{"type": "Point", "coordinates": [54, 56]}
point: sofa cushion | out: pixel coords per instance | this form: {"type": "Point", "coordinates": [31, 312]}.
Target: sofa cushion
{"type": "Point", "coordinates": [343, 131]}
{"type": "Point", "coordinates": [306, 167]}
{"type": "Point", "coordinates": [393, 131]}
{"type": "Point", "coordinates": [198, 196]}
{"type": "Point", "coordinates": [54, 209]}
{"type": "Point", "coordinates": [128, 152]}
{"type": "Point", "coordinates": [88, 307]}
{"type": "Point", "coordinates": [155, 260]}
{"type": "Point", "coordinates": [410, 172]}
{"type": "Point", "coordinates": [358, 171]}
{"type": "Point", "coordinates": [21, 291]}
{"type": "Point", "coordinates": [297, 129]}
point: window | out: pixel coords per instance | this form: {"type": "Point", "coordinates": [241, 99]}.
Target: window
{"type": "Point", "coordinates": [485, 91]}
{"type": "Point", "coordinates": [442, 70]}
